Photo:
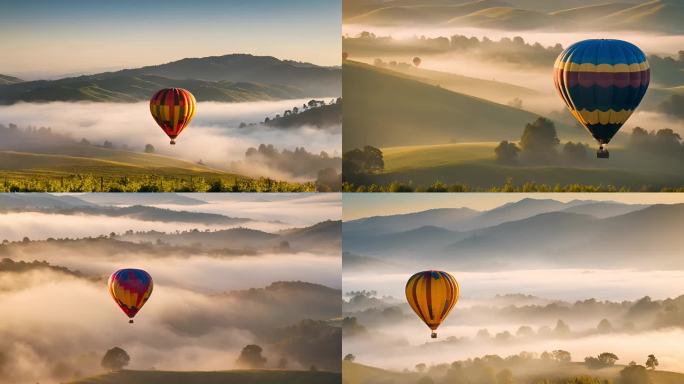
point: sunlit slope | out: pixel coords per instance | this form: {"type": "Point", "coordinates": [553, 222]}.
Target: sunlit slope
{"type": "Point", "coordinates": [100, 161]}
{"type": "Point", "coordinates": [383, 109]}
{"type": "Point", "coordinates": [495, 91]}
{"type": "Point", "coordinates": [219, 377]}
{"type": "Point", "coordinates": [474, 164]}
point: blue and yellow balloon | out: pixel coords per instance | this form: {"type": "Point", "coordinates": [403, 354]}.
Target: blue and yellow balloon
{"type": "Point", "coordinates": [602, 82]}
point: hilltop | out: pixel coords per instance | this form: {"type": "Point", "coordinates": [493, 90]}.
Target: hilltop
{"type": "Point", "coordinates": [229, 78]}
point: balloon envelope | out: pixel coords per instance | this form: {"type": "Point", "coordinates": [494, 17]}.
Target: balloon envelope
{"type": "Point", "coordinates": [432, 295]}
{"type": "Point", "coordinates": [130, 289]}
{"type": "Point", "coordinates": [602, 82]}
{"type": "Point", "coordinates": [172, 109]}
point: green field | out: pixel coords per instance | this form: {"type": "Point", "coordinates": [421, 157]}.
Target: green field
{"type": "Point", "coordinates": [94, 169]}
{"type": "Point", "coordinates": [219, 377]}
{"type": "Point", "coordinates": [473, 165]}
{"type": "Point", "coordinates": [354, 373]}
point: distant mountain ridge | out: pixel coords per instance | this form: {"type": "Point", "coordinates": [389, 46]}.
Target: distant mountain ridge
{"type": "Point", "coordinates": [530, 232]}
{"type": "Point", "coordinates": [228, 78]}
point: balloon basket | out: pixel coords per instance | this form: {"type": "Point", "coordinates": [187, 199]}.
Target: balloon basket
{"type": "Point", "coordinates": [602, 153]}
{"type": "Point", "coordinates": [130, 321]}
{"type": "Point", "coordinates": [173, 142]}
{"type": "Point", "coordinates": [433, 335]}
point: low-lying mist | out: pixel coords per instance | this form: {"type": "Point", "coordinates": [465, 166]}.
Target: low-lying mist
{"type": "Point", "coordinates": [60, 327]}
{"type": "Point", "coordinates": [40, 226]}
{"type": "Point", "coordinates": [653, 43]}
{"type": "Point", "coordinates": [214, 136]}
{"type": "Point", "coordinates": [558, 284]}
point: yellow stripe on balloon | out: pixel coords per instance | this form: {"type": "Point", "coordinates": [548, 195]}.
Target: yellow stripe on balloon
{"type": "Point", "coordinates": [569, 66]}
{"type": "Point", "coordinates": [602, 117]}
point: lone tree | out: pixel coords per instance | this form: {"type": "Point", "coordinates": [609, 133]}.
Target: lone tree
{"type": "Point", "coordinates": [251, 357]}
{"type": "Point", "coordinates": [652, 362]}
{"type": "Point", "coordinates": [115, 359]}
{"type": "Point", "coordinates": [149, 148]}
{"type": "Point", "coordinates": [367, 160]}
{"type": "Point", "coordinates": [420, 367]}
{"type": "Point", "coordinates": [539, 140]}
{"type": "Point", "coordinates": [506, 153]}
{"type": "Point", "coordinates": [349, 357]}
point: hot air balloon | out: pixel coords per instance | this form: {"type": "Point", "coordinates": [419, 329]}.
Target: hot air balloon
{"type": "Point", "coordinates": [416, 61]}
{"type": "Point", "coordinates": [602, 82]}
{"type": "Point", "coordinates": [432, 295]}
{"type": "Point", "coordinates": [172, 109]}
{"type": "Point", "coordinates": [130, 288]}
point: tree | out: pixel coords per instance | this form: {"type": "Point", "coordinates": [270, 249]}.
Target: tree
{"type": "Point", "coordinates": [282, 363]}
{"type": "Point", "coordinates": [561, 356]}
{"type": "Point", "coordinates": [349, 357]}
{"type": "Point", "coordinates": [634, 374]}
{"type": "Point", "coordinates": [504, 377]}
{"type": "Point", "coordinates": [539, 140]}
{"type": "Point", "coordinates": [108, 144]}
{"type": "Point", "coordinates": [328, 180]}
{"type": "Point", "coordinates": [608, 359]}
{"type": "Point", "coordinates": [506, 153]}
{"type": "Point", "coordinates": [605, 326]}
{"type": "Point", "coordinates": [575, 152]}
{"type": "Point", "coordinates": [149, 148]}
{"type": "Point", "coordinates": [652, 362]}
{"type": "Point", "coordinates": [251, 357]}
{"type": "Point", "coordinates": [561, 329]}
{"type": "Point", "coordinates": [357, 161]}
{"type": "Point", "coordinates": [115, 359]}
{"type": "Point", "coordinates": [420, 367]}
{"type": "Point", "coordinates": [516, 103]}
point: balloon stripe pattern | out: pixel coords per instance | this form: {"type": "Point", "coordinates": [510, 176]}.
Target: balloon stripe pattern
{"type": "Point", "coordinates": [602, 82]}
{"type": "Point", "coordinates": [432, 295]}
{"type": "Point", "coordinates": [130, 289]}
{"type": "Point", "coordinates": [173, 109]}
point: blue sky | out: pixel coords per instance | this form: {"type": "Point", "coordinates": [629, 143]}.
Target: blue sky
{"type": "Point", "coordinates": [51, 38]}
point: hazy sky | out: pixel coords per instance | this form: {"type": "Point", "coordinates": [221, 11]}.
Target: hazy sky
{"type": "Point", "coordinates": [52, 38]}
{"type": "Point", "coordinates": [357, 205]}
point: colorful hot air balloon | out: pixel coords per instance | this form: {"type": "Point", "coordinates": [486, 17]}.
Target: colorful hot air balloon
{"type": "Point", "coordinates": [130, 288]}
{"type": "Point", "coordinates": [432, 295]}
{"type": "Point", "coordinates": [172, 109]}
{"type": "Point", "coordinates": [602, 82]}
{"type": "Point", "coordinates": [417, 61]}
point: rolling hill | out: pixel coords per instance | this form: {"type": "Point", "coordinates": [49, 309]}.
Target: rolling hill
{"type": "Point", "coordinates": [655, 15]}
{"type": "Point", "coordinates": [384, 108]}
{"type": "Point", "coordinates": [5, 79]}
{"type": "Point", "coordinates": [221, 377]}
{"type": "Point", "coordinates": [229, 78]}
{"type": "Point", "coordinates": [323, 117]}
{"type": "Point", "coordinates": [604, 234]}
{"type": "Point", "coordinates": [496, 91]}
{"type": "Point", "coordinates": [474, 166]}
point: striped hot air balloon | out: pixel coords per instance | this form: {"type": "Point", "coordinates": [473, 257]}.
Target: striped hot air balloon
{"type": "Point", "coordinates": [172, 109]}
{"type": "Point", "coordinates": [602, 82]}
{"type": "Point", "coordinates": [130, 289]}
{"type": "Point", "coordinates": [432, 295]}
